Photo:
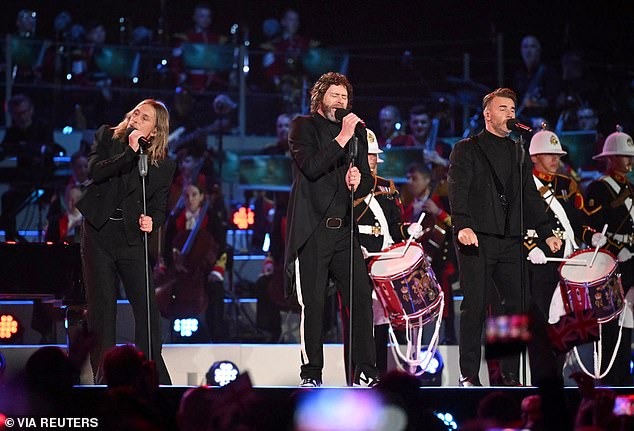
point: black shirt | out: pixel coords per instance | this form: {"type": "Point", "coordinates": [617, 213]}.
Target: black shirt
{"type": "Point", "coordinates": [340, 206]}
{"type": "Point", "coordinates": [500, 153]}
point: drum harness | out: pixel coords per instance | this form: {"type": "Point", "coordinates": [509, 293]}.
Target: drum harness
{"type": "Point", "coordinates": [559, 211]}
{"type": "Point", "coordinates": [597, 353]}
{"type": "Point", "coordinates": [414, 357]}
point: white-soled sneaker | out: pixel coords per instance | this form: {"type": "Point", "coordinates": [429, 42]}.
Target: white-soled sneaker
{"type": "Point", "coordinates": [310, 383]}
{"type": "Point", "coordinates": [365, 381]}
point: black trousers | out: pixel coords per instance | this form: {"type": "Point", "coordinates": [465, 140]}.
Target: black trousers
{"type": "Point", "coordinates": [106, 257]}
{"type": "Point", "coordinates": [495, 264]}
{"type": "Point", "coordinates": [326, 253]}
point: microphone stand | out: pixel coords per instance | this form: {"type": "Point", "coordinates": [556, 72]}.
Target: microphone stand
{"type": "Point", "coordinates": [353, 156]}
{"type": "Point", "coordinates": [143, 168]}
{"type": "Point", "coordinates": [520, 155]}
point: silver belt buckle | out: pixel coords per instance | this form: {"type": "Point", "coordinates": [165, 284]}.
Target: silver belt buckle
{"type": "Point", "coordinates": [336, 222]}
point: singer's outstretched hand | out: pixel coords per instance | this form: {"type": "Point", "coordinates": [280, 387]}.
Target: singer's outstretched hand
{"type": "Point", "coordinates": [353, 177]}
{"type": "Point", "coordinates": [133, 139]}
{"type": "Point", "coordinates": [467, 236]}
{"type": "Point", "coordinates": [348, 124]}
{"type": "Point", "coordinates": [145, 223]}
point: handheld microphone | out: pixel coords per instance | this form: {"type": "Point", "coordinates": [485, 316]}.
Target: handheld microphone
{"type": "Point", "coordinates": [340, 113]}
{"type": "Point", "coordinates": [144, 143]}
{"type": "Point", "coordinates": [514, 124]}
{"type": "Point", "coordinates": [353, 150]}
{"type": "Point", "coordinates": [353, 144]}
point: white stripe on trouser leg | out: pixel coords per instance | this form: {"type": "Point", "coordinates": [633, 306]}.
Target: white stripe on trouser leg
{"type": "Point", "coordinates": [298, 288]}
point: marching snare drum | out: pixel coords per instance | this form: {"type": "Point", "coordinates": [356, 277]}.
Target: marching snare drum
{"type": "Point", "coordinates": [598, 287]}
{"type": "Point", "coordinates": [406, 285]}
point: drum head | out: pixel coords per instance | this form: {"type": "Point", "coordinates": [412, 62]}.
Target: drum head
{"type": "Point", "coordinates": [603, 265]}
{"type": "Point", "coordinates": [392, 265]}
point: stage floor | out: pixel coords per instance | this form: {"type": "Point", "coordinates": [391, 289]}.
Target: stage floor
{"type": "Point", "coordinates": [268, 365]}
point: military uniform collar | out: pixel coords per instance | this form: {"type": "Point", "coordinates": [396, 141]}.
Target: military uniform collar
{"type": "Point", "coordinates": [620, 178]}
{"type": "Point", "coordinates": [542, 176]}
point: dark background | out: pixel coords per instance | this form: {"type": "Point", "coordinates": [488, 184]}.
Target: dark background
{"type": "Point", "coordinates": [602, 29]}
{"type": "Point", "coordinates": [377, 33]}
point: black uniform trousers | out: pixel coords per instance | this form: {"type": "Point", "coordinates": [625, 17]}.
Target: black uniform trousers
{"type": "Point", "coordinates": [495, 263]}
{"type": "Point", "coordinates": [327, 253]}
{"type": "Point", "coordinates": [107, 256]}
{"type": "Point", "coordinates": [545, 364]}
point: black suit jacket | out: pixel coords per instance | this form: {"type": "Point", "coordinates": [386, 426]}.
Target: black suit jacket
{"type": "Point", "coordinates": [475, 202]}
{"type": "Point", "coordinates": [319, 166]}
{"type": "Point", "coordinates": [115, 183]}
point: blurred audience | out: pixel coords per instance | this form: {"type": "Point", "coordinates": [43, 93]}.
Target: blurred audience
{"type": "Point", "coordinates": [390, 125]}
{"type": "Point", "coordinates": [536, 84]}
{"type": "Point", "coordinates": [30, 141]}
{"type": "Point", "coordinates": [198, 79]}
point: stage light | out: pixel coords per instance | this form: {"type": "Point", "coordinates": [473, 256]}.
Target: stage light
{"type": "Point", "coordinates": [186, 327]}
{"type": "Point", "coordinates": [433, 372]}
{"type": "Point", "coordinates": [9, 327]}
{"type": "Point", "coordinates": [447, 419]}
{"type": "Point", "coordinates": [346, 410]}
{"type": "Point", "coordinates": [266, 245]}
{"type": "Point", "coordinates": [222, 373]}
{"type": "Point", "coordinates": [243, 218]}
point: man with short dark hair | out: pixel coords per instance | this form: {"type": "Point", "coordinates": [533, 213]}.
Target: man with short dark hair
{"type": "Point", "coordinates": [485, 189]}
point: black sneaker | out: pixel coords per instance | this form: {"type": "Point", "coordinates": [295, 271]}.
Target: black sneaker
{"type": "Point", "coordinates": [363, 380]}
{"type": "Point", "coordinates": [310, 383]}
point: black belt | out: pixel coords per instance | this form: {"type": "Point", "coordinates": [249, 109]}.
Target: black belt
{"type": "Point", "coordinates": [336, 222]}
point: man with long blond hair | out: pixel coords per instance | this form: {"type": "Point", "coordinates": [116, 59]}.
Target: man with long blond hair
{"type": "Point", "coordinates": [114, 223]}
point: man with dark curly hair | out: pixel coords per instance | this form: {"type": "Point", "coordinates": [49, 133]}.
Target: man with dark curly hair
{"type": "Point", "coordinates": [318, 226]}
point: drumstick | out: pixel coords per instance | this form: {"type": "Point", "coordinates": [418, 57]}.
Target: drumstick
{"type": "Point", "coordinates": [563, 259]}
{"type": "Point", "coordinates": [570, 261]}
{"type": "Point", "coordinates": [596, 250]}
{"type": "Point", "coordinates": [385, 254]}
{"type": "Point", "coordinates": [411, 237]}
{"type": "Point", "coordinates": [396, 253]}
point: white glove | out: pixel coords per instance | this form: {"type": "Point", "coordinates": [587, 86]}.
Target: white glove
{"type": "Point", "coordinates": [598, 240]}
{"type": "Point", "coordinates": [624, 255]}
{"type": "Point", "coordinates": [364, 251]}
{"type": "Point", "coordinates": [415, 230]}
{"type": "Point", "coordinates": [537, 256]}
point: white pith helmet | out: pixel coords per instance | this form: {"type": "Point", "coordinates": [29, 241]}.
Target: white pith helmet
{"type": "Point", "coordinates": [617, 144]}
{"type": "Point", "coordinates": [545, 142]}
{"type": "Point", "coordinates": [373, 146]}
